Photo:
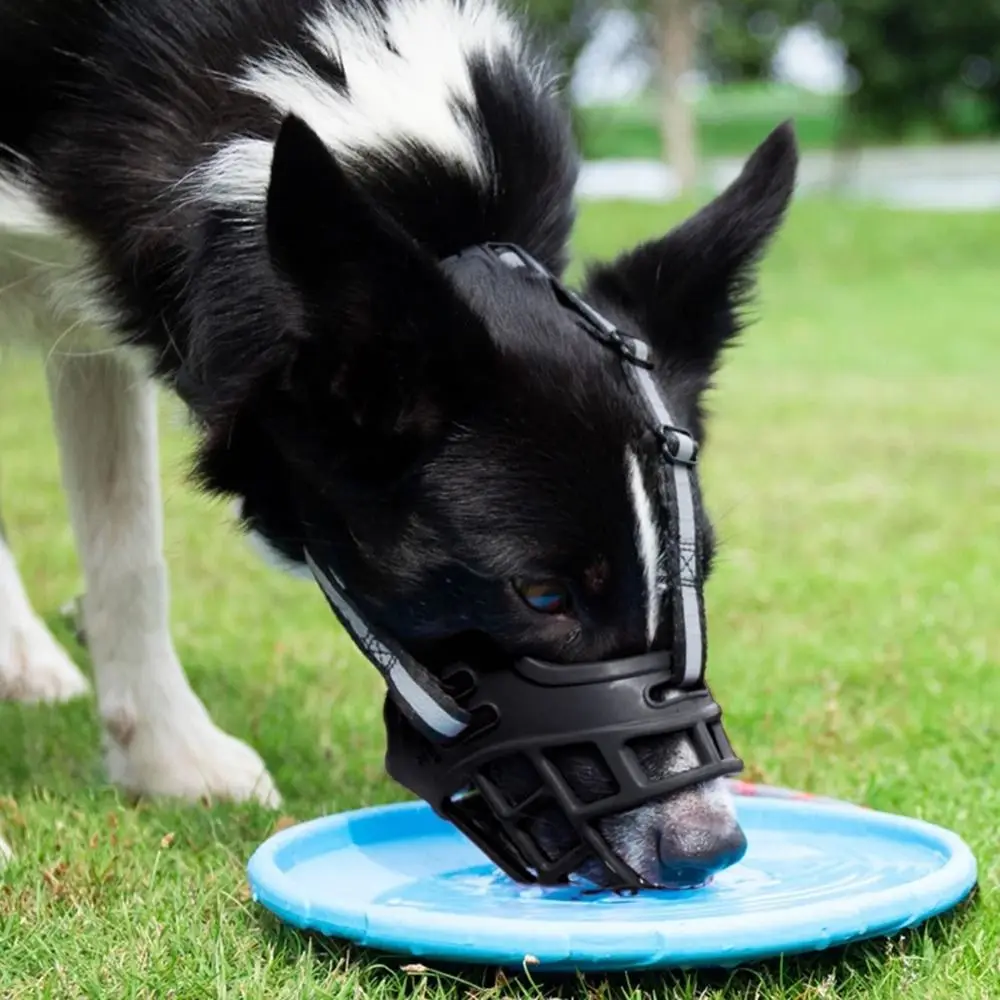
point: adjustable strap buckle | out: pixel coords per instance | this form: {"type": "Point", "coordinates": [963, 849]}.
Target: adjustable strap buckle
{"type": "Point", "coordinates": [636, 352]}
{"type": "Point", "coordinates": [679, 446]}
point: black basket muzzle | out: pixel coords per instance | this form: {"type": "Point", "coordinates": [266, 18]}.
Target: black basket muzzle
{"type": "Point", "coordinates": [532, 711]}
{"type": "Point", "coordinates": [444, 731]}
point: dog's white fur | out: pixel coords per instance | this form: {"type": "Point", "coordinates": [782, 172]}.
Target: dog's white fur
{"type": "Point", "coordinates": [395, 97]}
{"type": "Point", "coordinates": [159, 738]}
{"type": "Point", "coordinates": [647, 539]}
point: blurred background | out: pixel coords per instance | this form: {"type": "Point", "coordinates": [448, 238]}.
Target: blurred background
{"type": "Point", "coordinates": [894, 100]}
{"type": "Point", "coordinates": [852, 471]}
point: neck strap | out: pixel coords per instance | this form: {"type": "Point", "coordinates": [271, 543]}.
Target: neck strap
{"type": "Point", "coordinates": [417, 692]}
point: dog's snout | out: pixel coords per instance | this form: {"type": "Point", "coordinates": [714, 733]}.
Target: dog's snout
{"type": "Point", "coordinates": [681, 841]}
{"type": "Point", "coordinates": [693, 859]}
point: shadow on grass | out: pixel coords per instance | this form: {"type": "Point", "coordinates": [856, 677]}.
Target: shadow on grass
{"type": "Point", "coordinates": [383, 972]}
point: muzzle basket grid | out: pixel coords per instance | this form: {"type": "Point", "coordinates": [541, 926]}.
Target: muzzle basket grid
{"type": "Point", "coordinates": [534, 711]}
{"type": "Point", "coordinates": [515, 849]}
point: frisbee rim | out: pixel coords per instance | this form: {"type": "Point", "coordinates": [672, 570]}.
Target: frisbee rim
{"type": "Point", "coordinates": [503, 941]}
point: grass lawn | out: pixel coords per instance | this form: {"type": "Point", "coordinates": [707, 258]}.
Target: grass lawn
{"type": "Point", "coordinates": [731, 119]}
{"type": "Point", "coordinates": [854, 470]}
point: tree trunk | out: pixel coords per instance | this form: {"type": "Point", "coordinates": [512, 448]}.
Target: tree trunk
{"type": "Point", "coordinates": [678, 38]}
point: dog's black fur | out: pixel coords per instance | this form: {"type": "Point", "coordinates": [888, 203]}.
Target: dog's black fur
{"type": "Point", "coordinates": [454, 444]}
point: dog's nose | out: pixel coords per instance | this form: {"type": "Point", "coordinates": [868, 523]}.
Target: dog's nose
{"type": "Point", "coordinates": [704, 856]}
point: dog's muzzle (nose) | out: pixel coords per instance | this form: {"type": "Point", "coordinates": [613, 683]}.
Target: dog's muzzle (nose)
{"type": "Point", "coordinates": [695, 868]}
{"type": "Point", "coordinates": [534, 709]}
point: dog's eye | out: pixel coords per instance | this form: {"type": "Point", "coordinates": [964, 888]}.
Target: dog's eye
{"type": "Point", "coordinates": [548, 596]}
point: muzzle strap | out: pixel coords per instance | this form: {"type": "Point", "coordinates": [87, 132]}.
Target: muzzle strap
{"type": "Point", "coordinates": [677, 447]}
{"type": "Point", "coordinates": [417, 692]}
{"type": "Point", "coordinates": [419, 695]}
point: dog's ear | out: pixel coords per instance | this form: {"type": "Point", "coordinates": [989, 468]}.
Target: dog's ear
{"type": "Point", "coordinates": [387, 349]}
{"type": "Point", "coordinates": [686, 289]}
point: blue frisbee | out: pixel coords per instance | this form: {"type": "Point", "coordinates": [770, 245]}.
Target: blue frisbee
{"type": "Point", "coordinates": [816, 874]}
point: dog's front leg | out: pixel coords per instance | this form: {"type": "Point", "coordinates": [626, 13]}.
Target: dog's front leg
{"type": "Point", "coordinates": [159, 738]}
{"type": "Point", "coordinates": [33, 666]}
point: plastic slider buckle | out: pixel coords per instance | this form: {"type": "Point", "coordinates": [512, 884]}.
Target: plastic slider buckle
{"type": "Point", "coordinates": [679, 446]}
{"type": "Point", "coordinates": [635, 352]}
{"type": "Point", "coordinates": [512, 256]}
{"type": "Point", "coordinates": [629, 350]}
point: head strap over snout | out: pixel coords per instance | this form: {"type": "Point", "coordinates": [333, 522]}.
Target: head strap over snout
{"type": "Point", "coordinates": [677, 447]}
{"type": "Point", "coordinates": [418, 693]}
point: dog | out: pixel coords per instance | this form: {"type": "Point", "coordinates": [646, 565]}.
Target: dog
{"type": "Point", "coordinates": [246, 202]}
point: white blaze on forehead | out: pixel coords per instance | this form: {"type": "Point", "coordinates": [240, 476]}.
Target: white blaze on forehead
{"type": "Point", "coordinates": [647, 539]}
{"type": "Point", "coordinates": [408, 71]}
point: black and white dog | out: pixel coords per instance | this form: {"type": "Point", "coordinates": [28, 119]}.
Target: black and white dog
{"type": "Point", "coordinates": [247, 201]}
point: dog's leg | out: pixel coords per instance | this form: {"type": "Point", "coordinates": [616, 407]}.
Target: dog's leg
{"type": "Point", "coordinates": [33, 666]}
{"type": "Point", "coordinates": [159, 738]}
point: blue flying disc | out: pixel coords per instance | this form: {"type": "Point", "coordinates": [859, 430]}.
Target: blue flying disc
{"type": "Point", "coordinates": [816, 874]}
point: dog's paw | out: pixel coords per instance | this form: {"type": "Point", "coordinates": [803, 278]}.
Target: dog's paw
{"type": "Point", "coordinates": [178, 752]}
{"type": "Point", "coordinates": [34, 667]}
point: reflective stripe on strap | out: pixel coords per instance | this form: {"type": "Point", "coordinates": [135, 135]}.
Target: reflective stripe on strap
{"type": "Point", "coordinates": [680, 452]}
{"type": "Point", "coordinates": [415, 690]}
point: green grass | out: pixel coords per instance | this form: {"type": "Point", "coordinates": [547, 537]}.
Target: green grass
{"type": "Point", "coordinates": [854, 470]}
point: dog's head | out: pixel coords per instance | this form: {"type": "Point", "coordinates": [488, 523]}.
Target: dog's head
{"type": "Point", "coordinates": [485, 473]}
